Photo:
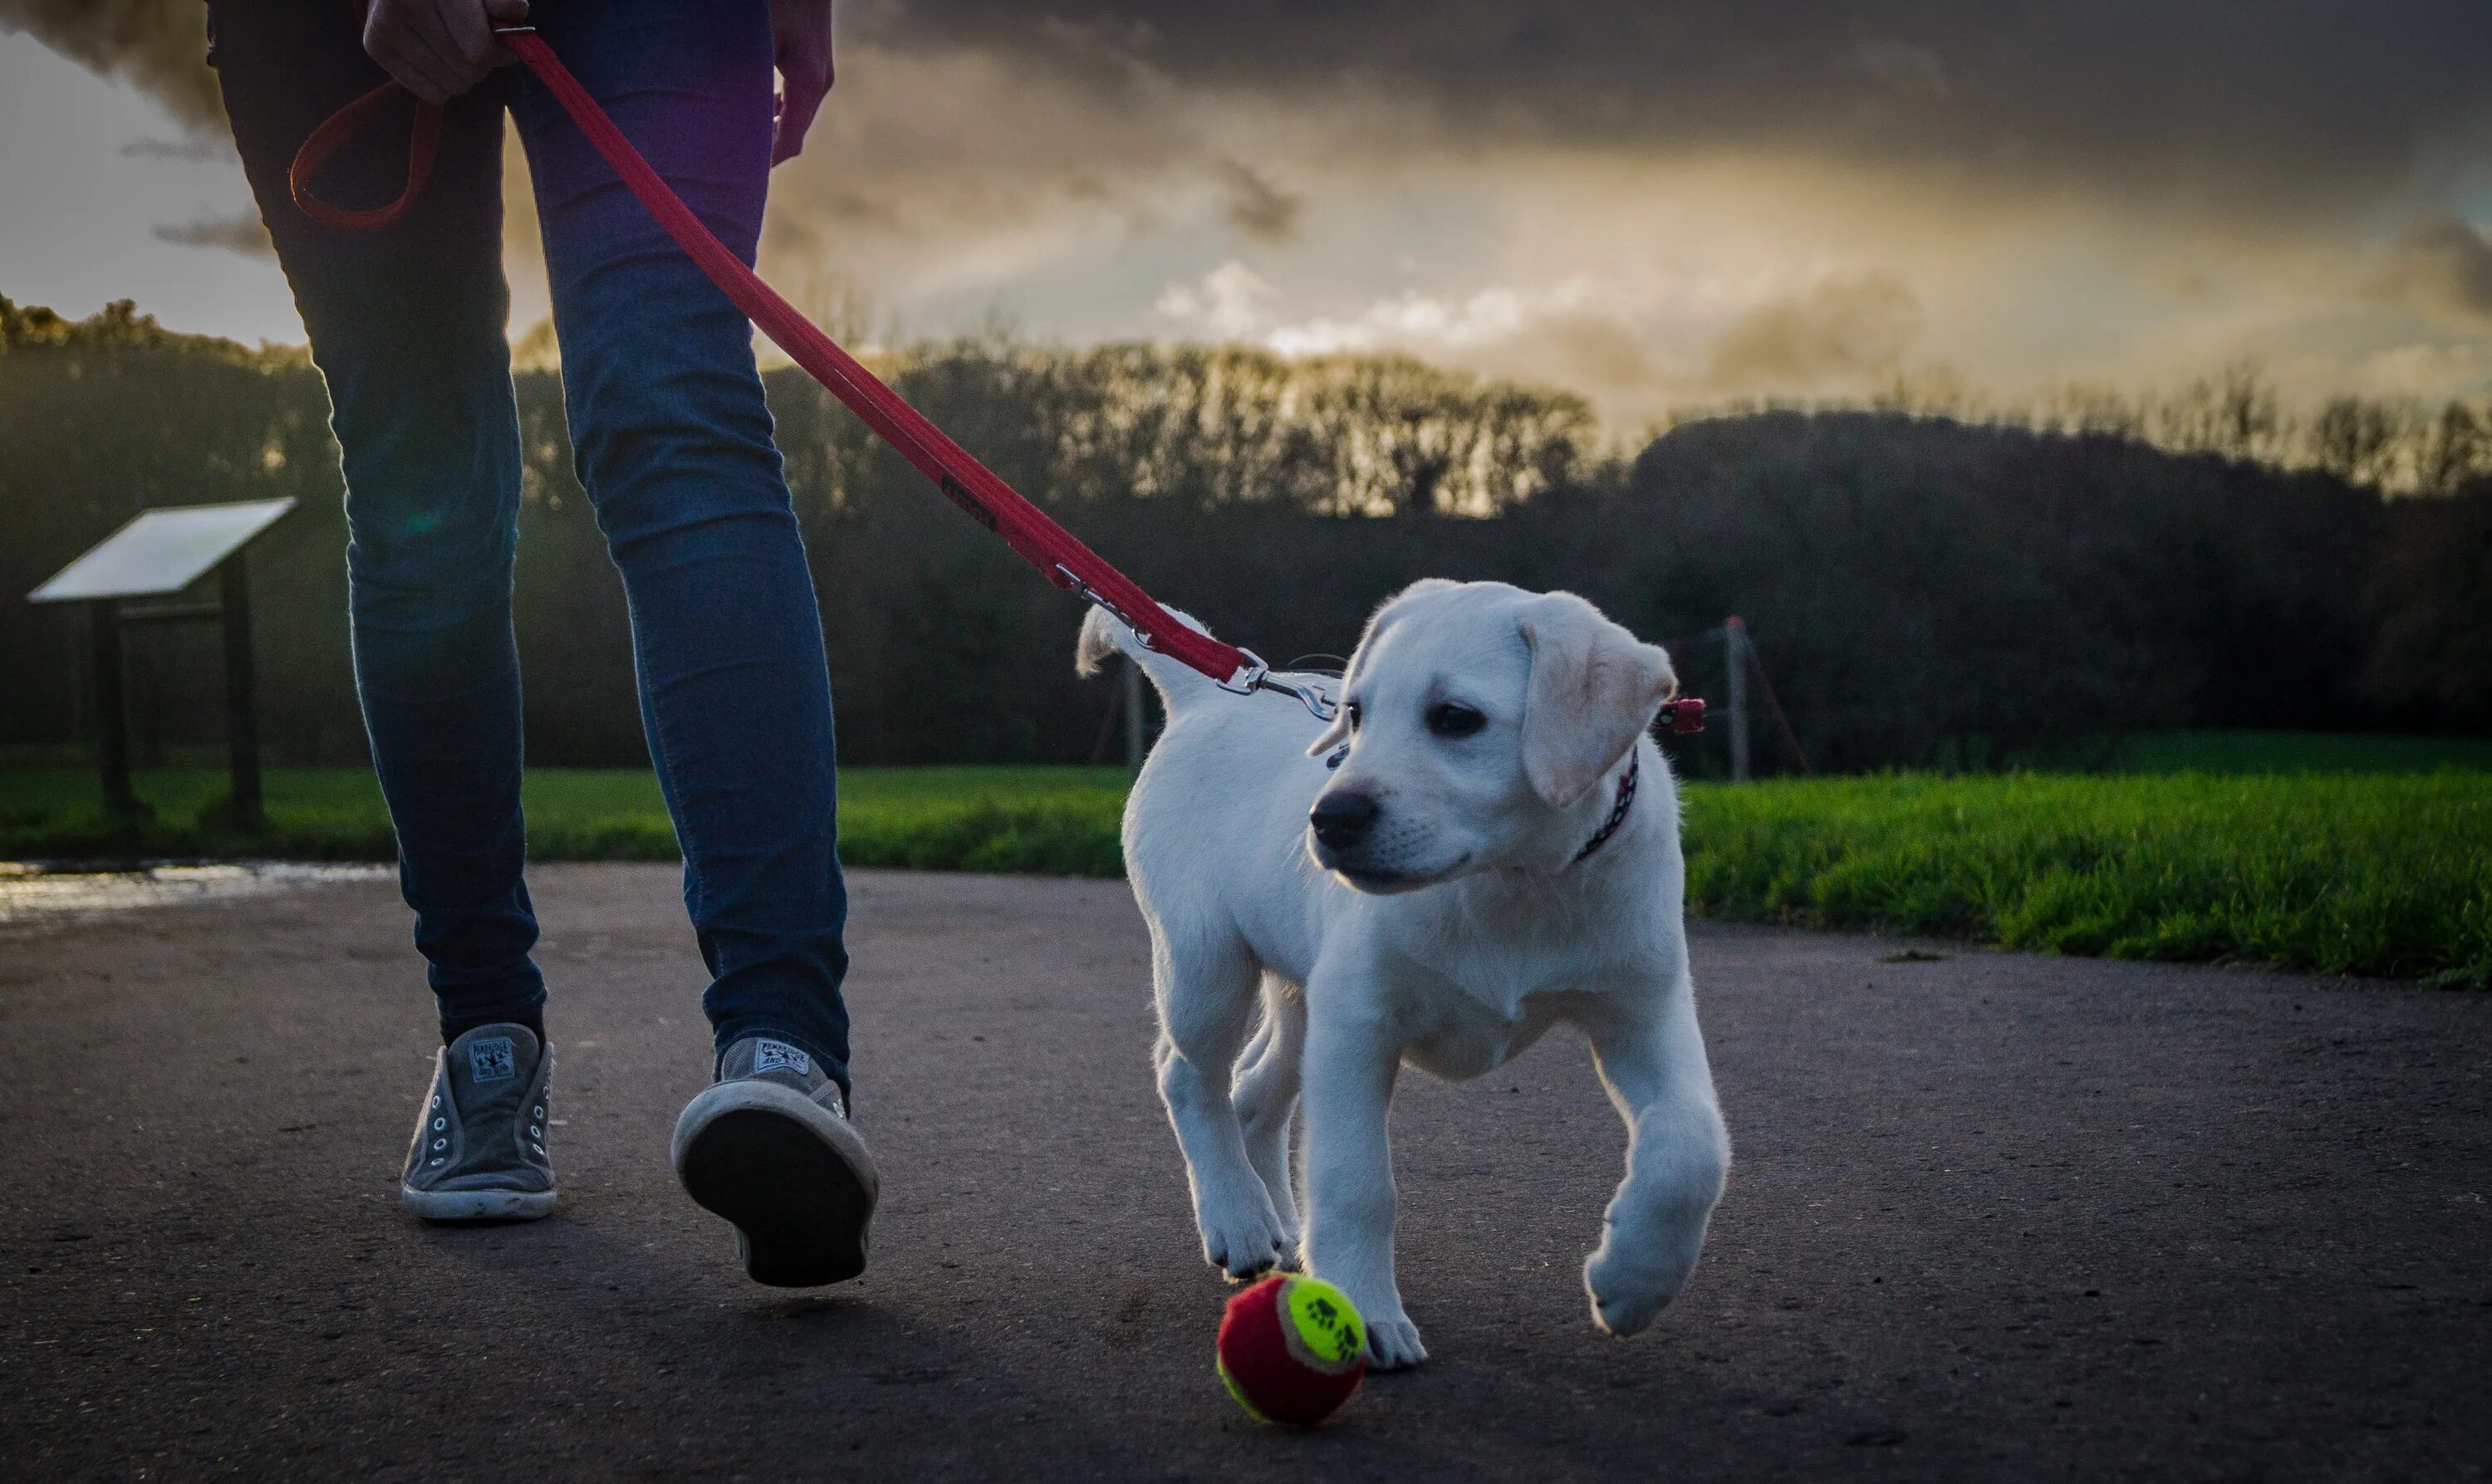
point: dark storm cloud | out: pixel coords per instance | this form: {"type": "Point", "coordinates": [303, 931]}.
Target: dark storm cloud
{"type": "Point", "coordinates": [160, 45]}
{"type": "Point", "coordinates": [198, 149]}
{"type": "Point", "coordinates": [2281, 104]}
{"type": "Point", "coordinates": [241, 233]}
{"type": "Point", "coordinates": [1257, 208]}
{"type": "Point", "coordinates": [2285, 103]}
{"type": "Point", "coordinates": [2442, 266]}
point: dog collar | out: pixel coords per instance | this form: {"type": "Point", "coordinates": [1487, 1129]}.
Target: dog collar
{"type": "Point", "coordinates": [1618, 810]}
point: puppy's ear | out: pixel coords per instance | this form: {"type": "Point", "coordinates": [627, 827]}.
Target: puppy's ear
{"type": "Point", "coordinates": [1595, 689]}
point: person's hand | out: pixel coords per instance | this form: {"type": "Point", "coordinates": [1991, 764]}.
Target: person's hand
{"type": "Point", "coordinates": [801, 36]}
{"type": "Point", "coordinates": [440, 48]}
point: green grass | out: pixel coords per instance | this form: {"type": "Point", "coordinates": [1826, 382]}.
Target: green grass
{"type": "Point", "coordinates": [1052, 821]}
{"type": "Point", "coordinates": [2373, 868]}
{"type": "Point", "coordinates": [2339, 874]}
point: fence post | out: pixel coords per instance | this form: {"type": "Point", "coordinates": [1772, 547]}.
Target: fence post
{"type": "Point", "coordinates": [1735, 663]}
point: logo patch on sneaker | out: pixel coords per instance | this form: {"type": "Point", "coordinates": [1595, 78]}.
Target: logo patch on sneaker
{"type": "Point", "coordinates": [771, 1055]}
{"type": "Point", "coordinates": [491, 1061]}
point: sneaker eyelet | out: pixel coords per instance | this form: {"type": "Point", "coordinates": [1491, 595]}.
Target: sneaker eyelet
{"type": "Point", "coordinates": [436, 1159]}
{"type": "Point", "coordinates": [438, 1124]}
{"type": "Point", "coordinates": [441, 1143]}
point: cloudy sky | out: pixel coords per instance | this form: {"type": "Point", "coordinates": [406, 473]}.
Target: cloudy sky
{"type": "Point", "coordinates": [1658, 202]}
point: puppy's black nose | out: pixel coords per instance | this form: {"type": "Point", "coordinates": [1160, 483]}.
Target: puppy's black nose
{"type": "Point", "coordinates": [1341, 820]}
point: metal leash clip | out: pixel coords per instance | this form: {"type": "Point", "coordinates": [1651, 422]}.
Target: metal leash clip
{"type": "Point", "coordinates": [1255, 676]}
{"type": "Point", "coordinates": [1259, 676]}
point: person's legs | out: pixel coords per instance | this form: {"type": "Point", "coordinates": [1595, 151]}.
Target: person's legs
{"type": "Point", "coordinates": [674, 444]}
{"type": "Point", "coordinates": [407, 326]}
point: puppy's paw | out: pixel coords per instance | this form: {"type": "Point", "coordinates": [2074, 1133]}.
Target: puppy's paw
{"type": "Point", "coordinates": [1242, 1243]}
{"type": "Point", "coordinates": [1393, 1344]}
{"type": "Point", "coordinates": [1626, 1295]}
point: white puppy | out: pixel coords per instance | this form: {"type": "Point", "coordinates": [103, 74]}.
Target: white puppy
{"type": "Point", "coordinates": [1485, 844]}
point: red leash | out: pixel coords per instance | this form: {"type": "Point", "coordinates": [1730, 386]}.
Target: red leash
{"type": "Point", "coordinates": [995, 505]}
{"type": "Point", "coordinates": [970, 485]}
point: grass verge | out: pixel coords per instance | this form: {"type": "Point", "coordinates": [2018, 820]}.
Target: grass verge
{"type": "Point", "coordinates": [2373, 873]}
{"type": "Point", "coordinates": [1050, 822]}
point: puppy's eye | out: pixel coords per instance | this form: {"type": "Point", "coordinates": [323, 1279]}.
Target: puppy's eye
{"type": "Point", "coordinates": [1356, 714]}
{"type": "Point", "coordinates": [1451, 719]}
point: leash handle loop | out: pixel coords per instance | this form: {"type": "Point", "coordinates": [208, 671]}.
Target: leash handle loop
{"type": "Point", "coordinates": [976, 488]}
{"type": "Point", "coordinates": [423, 143]}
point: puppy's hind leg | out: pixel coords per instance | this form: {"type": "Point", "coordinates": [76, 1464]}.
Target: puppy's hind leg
{"type": "Point", "coordinates": [1206, 1001]}
{"type": "Point", "coordinates": [1267, 1095]}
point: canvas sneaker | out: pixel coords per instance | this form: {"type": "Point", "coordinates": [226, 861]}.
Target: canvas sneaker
{"type": "Point", "coordinates": [769, 1147]}
{"type": "Point", "coordinates": [479, 1152]}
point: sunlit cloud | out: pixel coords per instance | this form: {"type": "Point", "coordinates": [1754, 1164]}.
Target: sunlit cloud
{"type": "Point", "coordinates": [1230, 303]}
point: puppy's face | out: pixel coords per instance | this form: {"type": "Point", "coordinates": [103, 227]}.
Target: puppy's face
{"type": "Point", "coordinates": [1477, 716]}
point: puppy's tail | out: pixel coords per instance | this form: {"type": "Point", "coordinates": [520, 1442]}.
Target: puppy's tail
{"type": "Point", "coordinates": [1103, 634]}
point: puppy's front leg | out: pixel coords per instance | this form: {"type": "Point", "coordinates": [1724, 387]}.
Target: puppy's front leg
{"type": "Point", "coordinates": [1350, 1063]}
{"type": "Point", "coordinates": [1651, 1058]}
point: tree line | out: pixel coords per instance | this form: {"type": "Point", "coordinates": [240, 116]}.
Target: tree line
{"type": "Point", "coordinates": [2397, 445]}
{"type": "Point", "coordinates": [1922, 589]}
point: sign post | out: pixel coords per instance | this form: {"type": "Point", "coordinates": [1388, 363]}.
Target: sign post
{"type": "Point", "coordinates": [242, 707]}
{"type": "Point", "coordinates": [156, 555]}
{"type": "Point", "coordinates": [111, 710]}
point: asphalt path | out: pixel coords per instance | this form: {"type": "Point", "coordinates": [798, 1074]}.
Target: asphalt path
{"type": "Point", "coordinates": [1989, 1216]}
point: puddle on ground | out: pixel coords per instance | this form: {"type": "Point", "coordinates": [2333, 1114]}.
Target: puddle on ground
{"type": "Point", "coordinates": [34, 893]}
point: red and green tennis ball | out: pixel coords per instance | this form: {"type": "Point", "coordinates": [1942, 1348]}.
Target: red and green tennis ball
{"type": "Point", "coordinates": [1292, 1349]}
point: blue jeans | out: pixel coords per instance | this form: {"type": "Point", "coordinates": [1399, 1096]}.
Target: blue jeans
{"type": "Point", "coordinates": [672, 440]}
